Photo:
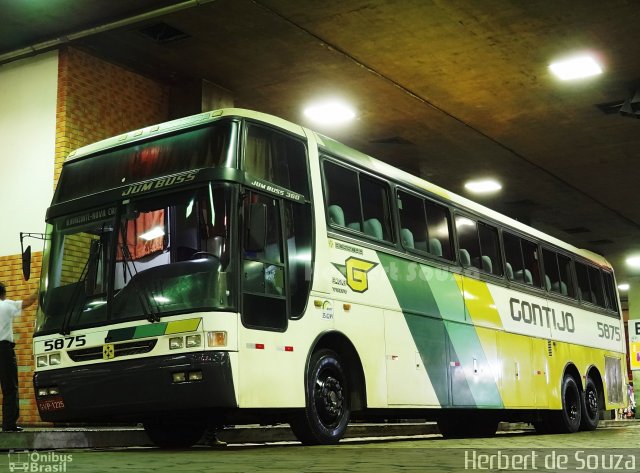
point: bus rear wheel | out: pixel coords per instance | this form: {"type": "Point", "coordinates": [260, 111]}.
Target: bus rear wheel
{"type": "Point", "coordinates": [327, 409]}
{"type": "Point", "coordinates": [590, 406]}
{"type": "Point", "coordinates": [567, 420]}
{"type": "Point", "coordinates": [172, 433]}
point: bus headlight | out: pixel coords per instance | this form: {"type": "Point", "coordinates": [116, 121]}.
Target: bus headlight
{"type": "Point", "coordinates": [42, 360]}
{"type": "Point", "coordinates": [54, 359]}
{"type": "Point", "coordinates": [175, 343]}
{"type": "Point", "coordinates": [217, 339]}
{"type": "Point", "coordinates": [194, 341]}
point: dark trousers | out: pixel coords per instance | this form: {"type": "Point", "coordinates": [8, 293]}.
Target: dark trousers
{"type": "Point", "coordinates": [9, 385]}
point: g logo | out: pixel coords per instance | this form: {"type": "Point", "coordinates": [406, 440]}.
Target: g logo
{"type": "Point", "coordinates": [357, 271]}
{"type": "Point", "coordinates": [108, 351]}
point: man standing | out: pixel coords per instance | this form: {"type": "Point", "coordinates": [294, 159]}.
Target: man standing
{"type": "Point", "coordinates": [8, 364]}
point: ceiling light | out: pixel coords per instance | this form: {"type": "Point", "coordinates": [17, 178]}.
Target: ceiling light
{"type": "Point", "coordinates": [483, 186]}
{"type": "Point", "coordinates": [634, 261]}
{"type": "Point", "coordinates": [152, 234]}
{"type": "Point", "coordinates": [330, 113]}
{"type": "Point", "coordinates": [576, 68]}
{"type": "Point", "coordinates": [624, 286]}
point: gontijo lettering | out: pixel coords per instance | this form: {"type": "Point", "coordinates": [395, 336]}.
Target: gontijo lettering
{"type": "Point", "coordinates": [535, 314]}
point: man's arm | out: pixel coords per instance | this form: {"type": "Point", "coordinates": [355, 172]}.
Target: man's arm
{"type": "Point", "coordinates": [29, 300]}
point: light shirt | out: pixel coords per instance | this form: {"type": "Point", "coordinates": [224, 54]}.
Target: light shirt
{"type": "Point", "coordinates": [9, 310]}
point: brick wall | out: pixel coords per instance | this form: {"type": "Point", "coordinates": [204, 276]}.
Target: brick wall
{"type": "Point", "coordinates": [96, 100]}
{"type": "Point", "coordinates": [19, 289]}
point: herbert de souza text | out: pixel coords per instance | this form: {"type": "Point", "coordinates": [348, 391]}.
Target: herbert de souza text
{"type": "Point", "coordinates": [556, 460]}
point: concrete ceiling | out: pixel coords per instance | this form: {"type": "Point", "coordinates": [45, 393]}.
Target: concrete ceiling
{"type": "Point", "coordinates": [450, 90]}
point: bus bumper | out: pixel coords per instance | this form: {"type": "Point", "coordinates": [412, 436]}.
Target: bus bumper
{"type": "Point", "coordinates": [133, 389]}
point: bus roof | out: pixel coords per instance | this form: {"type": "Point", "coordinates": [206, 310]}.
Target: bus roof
{"type": "Point", "coordinates": [341, 150]}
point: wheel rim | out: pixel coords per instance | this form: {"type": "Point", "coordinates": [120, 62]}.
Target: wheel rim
{"type": "Point", "coordinates": [591, 403]}
{"type": "Point", "coordinates": [572, 407]}
{"type": "Point", "coordinates": [329, 399]}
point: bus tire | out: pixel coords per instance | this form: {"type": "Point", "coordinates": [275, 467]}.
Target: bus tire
{"type": "Point", "coordinates": [590, 406]}
{"type": "Point", "coordinates": [567, 420]}
{"type": "Point", "coordinates": [327, 409]}
{"type": "Point", "coordinates": [173, 433]}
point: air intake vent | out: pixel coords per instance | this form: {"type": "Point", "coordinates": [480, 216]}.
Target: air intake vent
{"type": "Point", "coordinates": [613, 378]}
{"type": "Point", "coordinates": [549, 348]}
{"type": "Point", "coordinates": [162, 33]}
{"type": "Point", "coordinates": [120, 349]}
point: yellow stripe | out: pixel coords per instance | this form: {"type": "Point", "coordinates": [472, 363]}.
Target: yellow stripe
{"type": "Point", "coordinates": [179, 326]}
{"type": "Point", "coordinates": [479, 302]}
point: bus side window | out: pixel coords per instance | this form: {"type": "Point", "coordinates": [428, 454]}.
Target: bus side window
{"type": "Point", "coordinates": [531, 263]}
{"type": "Point", "coordinates": [595, 279]}
{"type": "Point", "coordinates": [490, 249]}
{"type": "Point", "coordinates": [566, 279]}
{"type": "Point", "coordinates": [298, 240]}
{"type": "Point", "coordinates": [375, 208]}
{"type": "Point", "coordinates": [584, 288]}
{"type": "Point", "coordinates": [438, 223]}
{"type": "Point", "coordinates": [521, 258]}
{"type": "Point", "coordinates": [468, 244]}
{"type": "Point", "coordinates": [551, 277]}
{"type": "Point", "coordinates": [610, 291]}
{"type": "Point", "coordinates": [513, 257]}
{"type": "Point", "coordinates": [413, 224]}
{"type": "Point", "coordinates": [342, 196]}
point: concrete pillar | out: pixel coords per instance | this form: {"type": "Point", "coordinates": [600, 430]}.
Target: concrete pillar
{"type": "Point", "coordinates": [197, 95]}
{"type": "Point", "coordinates": [634, 314]}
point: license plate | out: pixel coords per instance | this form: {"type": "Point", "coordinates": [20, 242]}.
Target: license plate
{"type": "Point", "coordinates": [51, 404]}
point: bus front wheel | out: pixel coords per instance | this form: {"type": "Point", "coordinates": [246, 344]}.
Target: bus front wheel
{"type": "Point", "coordinates": [327, 411]}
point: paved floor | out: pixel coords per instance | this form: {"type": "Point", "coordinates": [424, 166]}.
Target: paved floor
{"type": "Point", "coordinates": [607, 449]}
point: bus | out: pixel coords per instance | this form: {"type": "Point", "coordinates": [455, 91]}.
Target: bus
{"type": "Point", "coordinates": [232, 267]}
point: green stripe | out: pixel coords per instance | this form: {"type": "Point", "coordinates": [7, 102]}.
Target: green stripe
{"type": "Point", "coordinates": [152, 330]}
{"type": "Point", "coordinates": [482, 389]}
{"type": "Point", "coordinates": [434, 310]}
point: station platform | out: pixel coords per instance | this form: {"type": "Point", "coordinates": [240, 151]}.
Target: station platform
{"type": "Point", "coordinates": [37, 438]}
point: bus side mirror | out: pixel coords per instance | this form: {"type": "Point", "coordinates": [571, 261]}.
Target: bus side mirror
{"type": "Point", "coordinates": [26, 263]}
{"type": "Point", "coordinates": [256, 228]}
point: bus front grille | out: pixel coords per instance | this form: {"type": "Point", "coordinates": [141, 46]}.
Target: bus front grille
{"type": "Point", "coordinates": [120, 349]}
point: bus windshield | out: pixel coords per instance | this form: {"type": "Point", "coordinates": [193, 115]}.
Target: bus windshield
{"type": "Point", "coordinates": [144, 259]}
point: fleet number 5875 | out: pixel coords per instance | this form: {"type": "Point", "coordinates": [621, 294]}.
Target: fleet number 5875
{"type": "Point", "coordinates": [67, 342]}
{"type": "Point", "coordinates": [610, 332]}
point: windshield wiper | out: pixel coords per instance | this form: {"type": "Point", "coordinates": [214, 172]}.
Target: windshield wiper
{"type": "Point", "coordinates": [143, 295]}
{"type": "Point", "coordinates": [71, 310]}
